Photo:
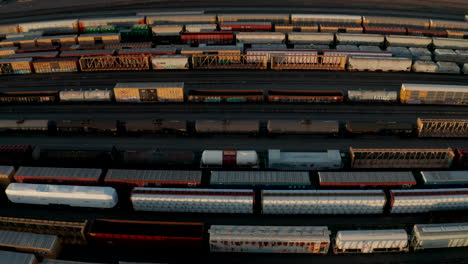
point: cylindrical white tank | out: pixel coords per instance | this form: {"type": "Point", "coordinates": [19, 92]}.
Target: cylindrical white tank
{"type": "Point", "coordinates": [229, 158]}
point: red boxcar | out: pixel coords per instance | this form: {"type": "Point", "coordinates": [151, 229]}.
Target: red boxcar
{"type": "Point", "coordinates": [45, 175]}
{"type": "Point", "coordinates": [366, 179]}
{"type": "Point", "coordinates": [148, 234]}
{"type": "Point", "coordinates": [214, 37]}
{"type": "Point", "coordinates": [146, 178]}
{"type": "Point", "coordinates": [15, 154]}
{"type": "Point", "coordinates": [247, 26]}
{"type": "Point", "coordinates": [386, 30]}
{"type": "Point", "coordinates": [461, 157]}
{"type": "Point", "coordinates": [47, 54]}
{"type": "Point", "coordinates": [305, 96]}
{"type": "Point", "coordinates": [41, 49]}
{"type": "Point", "coordinates": [427, 32]}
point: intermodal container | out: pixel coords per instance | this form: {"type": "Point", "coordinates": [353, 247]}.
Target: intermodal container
{"type": "Point", "coordinates": [367, 179]}
{"type": "Point", "coordinates": [260, 179]}
{"type": "Point", "coordinates": [153, 178]}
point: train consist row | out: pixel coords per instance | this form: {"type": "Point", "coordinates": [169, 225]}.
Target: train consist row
{"type": "Point", "coordinates": [227, 238]}
{"type": "Point", "coordinates": [126, 179]}
{"type": "Point", "coordinates": [275, 159]}
{"type": "Point", "coordinates": [422, 128]}
{"type": "Point", "coordinates": [451, 59]}
{"type": "Point", "coordinates": [169, 92]}
{"type": "Point", "coordinates": [241, 22]}
{"type": "Point", "coordinates": [244, 201]}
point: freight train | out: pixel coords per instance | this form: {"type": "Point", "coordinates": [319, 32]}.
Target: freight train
{"type": "Point", "coordinates": [175, 92]}
{"type": "Point", "coordinates": [197, 236]}
{"type": "Point", "coordinates": [239, 192]}
{"type": "Point", "coordinates": [275, 159]}
{"type": "Point", "coordinates": [422, 128]}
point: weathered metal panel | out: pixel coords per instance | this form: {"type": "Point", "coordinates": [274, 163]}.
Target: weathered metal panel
{"type": "Point", "coordinates": [8, 257]}
{"type": "Point", "coordinates": [275, 18]}
{"type": "Point", "coordinates": [170, 62]}
{"type": "Point", "coordinates": [311, 38]}
{"type": "Point", "coordinates": [442, 127]}
{"type": "Point", "coordinates": [114, 63]}
{"type": "Point", "coordinates": [269, 239]}
{"type": "Point", "coordinates": [325, 18]}
{"type": "Point", "coordinates": [149, 92]}
{"type": "Point", "coordinates": [260, 37]}
{"type": "Point", "coordinates": [323, 202]}
{"type": "Point", "coordinates": [397, 21]}
{"type": "Point", "coordinates": [360, 39]}
{"type": "Point", "coordinates": [408, 41]}
{"type": "Point", "coordinates": [372, 96]}
{"type": "Point", "coordinates": [378, 64]}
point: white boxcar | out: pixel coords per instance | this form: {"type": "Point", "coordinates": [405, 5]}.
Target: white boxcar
{"type": "Point", "coordinates": [260, 37]}
{"type": "Point", "coordinates": [425, 66]}
{"type": "Point", "coordinates": [400, 52]}
{"type": "Point", "coordinates": [98, 95]}
{"type": "Point", "coordinates": [46, 194]}
{"type": "Point", "coordinates": [423, 201]}
{"type": "Point", "coordinates": [9, 257]}
{"type": "Point", "coordinates": [448, 43]}
{"type": "Point", "coordinates": [371, 241]}
{"type": "Point", "coordinates": [445, 177]}
{"type": "Point", "coordinates": [181, 19]}
{"type": "Point", "coordinates": [200, 27]}
{"type": "Point", "coordinates": [219, 158]}
{"type": "Point", "coordinates": [275, 18]}
{"type": "Point", "coordinates": [439, 236]}
{"type": "Point", "coordinates": [448, 67]}
{"type": "Point", "coordinates": [170, 62]}
{"type": "Point", "coordinates": [360, 39]}
{"type": "Point", "coordinates": [372, 96]}
{"type": "Point", "coordinates": [311, 38]}
{"type": "Point", "coordinates": [378, 64]}
{"type": "Point", "coordinates": [323, 202]}
{"type": "Point", "coordinates": [56, 27]}
{"type": "Point", "coordinates": [321, 18]}
{"type": "Point", "coordinates": [269, 239]}
{"type": "Point", "coordinates": [193, 200]}
{"type": "Point", "coordinates": [297, 56]}
{"type": "Point", "coordinates": [408, 41]}
{"type": "Point", "coordinates": [71, 96]}
{"type": "Point", "coordinates": [304, 160]}
{"type": "Point", "coordinates": [167, 30]}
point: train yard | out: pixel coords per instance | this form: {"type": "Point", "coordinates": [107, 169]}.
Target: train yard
{"type": "Point", "coordinates": [304, 137]}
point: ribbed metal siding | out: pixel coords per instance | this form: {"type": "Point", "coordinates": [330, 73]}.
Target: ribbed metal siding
{"type": "Point", "coordinates": [7, 257]}
{"type": "Point", "coordinates": [445, 177]}
{"type": "Point", "coordinates": [154, 175]}
{"type": "Point", "coordinates": [28, 240]}
{"type": "Point", "coordinates": [378, 177]}
{"type": "Point", "coordinates": [58, 172]}
{"type": "Point", "coordinates": [260, 177]}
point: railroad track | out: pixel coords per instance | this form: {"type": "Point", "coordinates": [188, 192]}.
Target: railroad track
{"type": "Point", "coordinates": [188, 108]}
